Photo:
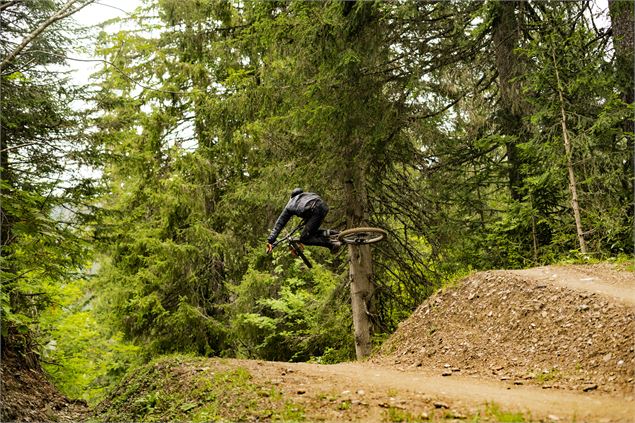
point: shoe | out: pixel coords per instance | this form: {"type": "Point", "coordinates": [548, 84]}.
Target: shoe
{"type": "Point", "coordinates": [332, 234]}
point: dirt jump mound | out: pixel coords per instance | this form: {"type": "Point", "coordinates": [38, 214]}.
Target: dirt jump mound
{"type": "Point", "coordinates": [565, 327]}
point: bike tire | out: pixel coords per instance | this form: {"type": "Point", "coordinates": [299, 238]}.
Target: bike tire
{"type": "Point", "coordinates": [300, 253]}
{"type": "Point", "coordinates": [304, 259]}
{"type": "Point", "coordinates": [362, 236]}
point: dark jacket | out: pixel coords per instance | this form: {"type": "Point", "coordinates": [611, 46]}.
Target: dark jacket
{"type": "Point", "coordinates": [300, 205]}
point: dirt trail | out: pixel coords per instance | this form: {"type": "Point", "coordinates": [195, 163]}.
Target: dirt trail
{"type": "Point", "coordinates": [556, 344]}
{"type": "Point", "coordinates": [584, 279]}
{"type": "Point", "coordinates": [554, 340]}
{"type": "Point", "coordinates": [464, 394]}
{"type": "Point", "coordinates": [571, 306]}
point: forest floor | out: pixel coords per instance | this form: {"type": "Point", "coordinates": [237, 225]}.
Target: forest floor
{"type": "Point", "coordinates": [549, 344]}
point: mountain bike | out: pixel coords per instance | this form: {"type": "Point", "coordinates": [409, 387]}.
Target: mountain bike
{"type": "Point", "coordinates": [353, 236]}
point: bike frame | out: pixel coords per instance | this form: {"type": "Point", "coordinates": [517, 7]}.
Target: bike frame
{"type": "Point", "coordinates": [294, 230]}
{"type": "Point", "coordinates": [293, 244]}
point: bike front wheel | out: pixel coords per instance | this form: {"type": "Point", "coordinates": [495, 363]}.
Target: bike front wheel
{"type": "Point", "coordinates": [298, 252]}
{"type": "Point", "coordinates": [361, 236]}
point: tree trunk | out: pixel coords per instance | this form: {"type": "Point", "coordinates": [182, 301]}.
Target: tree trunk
{"type": "Point", "coordinates": [6, 179]}
{"type": "Point", "coordinates": [360, 268]}
{"type": "Point", "coordinates": [362, 290]}
{"type": "Point", "coordinates": [623, 25]}
{"type": "Point", "coordinates": [572, 183]}
{"type": "Point", "coordinates": [568, 152]}
{"type": "Point", "coordinates": [505, 35]}
{"type": "Point", "coordinates": [534, 235]}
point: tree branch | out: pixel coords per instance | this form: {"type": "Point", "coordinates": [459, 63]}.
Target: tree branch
{"type": "Point", "coordinates": [118, 69]}
{"type": "Point", "coordinates": [8, 4]}
{"type": "Point", "coordinates": [66, 10]}
{"type": "Point", "coordinates": [18, 146]}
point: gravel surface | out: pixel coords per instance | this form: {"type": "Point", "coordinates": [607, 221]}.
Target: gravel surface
{"type": "Point", "coordinates": [568, 327]}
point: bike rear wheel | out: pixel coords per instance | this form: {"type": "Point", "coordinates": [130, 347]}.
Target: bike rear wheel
{"type": "Point", "coordinates": [361, 236]}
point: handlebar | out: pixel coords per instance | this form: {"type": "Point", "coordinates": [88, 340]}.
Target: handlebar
{"type": "Point", "coordinates": [294, 230]}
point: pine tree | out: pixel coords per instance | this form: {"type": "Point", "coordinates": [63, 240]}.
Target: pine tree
{"type": "Point", "coordinates": [44, 201]}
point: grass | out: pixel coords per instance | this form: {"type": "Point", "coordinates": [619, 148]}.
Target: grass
{"type": "Point", "coordinates": [625, 262]}
{"type": "Point", "coordinates": [345, 405]}
{"type": "Point", "coordinates": [494, 412]}
{"type": "Point", "coordinates": [178, 388]}
{"type": "Point", "coordinates": [202, 390]}
{"type": "Point", "coordinates": [491, 413]}
{"type": "Point", "coordinates": [453, 280]}
{"type": "Point", "coordinates": [394, 414]}
{"type": "Point", "coordinates": [548, 376]}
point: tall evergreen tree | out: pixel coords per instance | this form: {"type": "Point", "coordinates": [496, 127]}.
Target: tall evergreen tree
{"type": "Point", "coordinates": [565, 92]}
{"type": "Point", "coordinates": [622, 14]}
{"type": "Point", "coordinates": [44, 196]}
{"type": "Point", "coordinates": [396, 112]}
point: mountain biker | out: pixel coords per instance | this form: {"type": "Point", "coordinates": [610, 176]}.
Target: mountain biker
{"type": "Point", "coordinates": [312, 209]}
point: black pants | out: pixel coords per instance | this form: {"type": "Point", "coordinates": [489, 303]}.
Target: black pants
{"type": "Point", "coordinates": [312, 234]}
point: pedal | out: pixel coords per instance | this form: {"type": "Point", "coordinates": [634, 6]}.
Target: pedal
{"type": "Point", "coordinates": [331, 234]}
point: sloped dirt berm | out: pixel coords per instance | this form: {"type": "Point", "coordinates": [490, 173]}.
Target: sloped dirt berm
{"type": "Point", "coordinates": [558, 328]}
{"type": "Point", "coordinates": [568, 327]}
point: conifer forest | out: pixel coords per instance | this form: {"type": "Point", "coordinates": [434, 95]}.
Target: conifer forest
{"type": "Point", "coordinates": [135, 207]}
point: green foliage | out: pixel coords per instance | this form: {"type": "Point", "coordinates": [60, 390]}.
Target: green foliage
{"type": "Point", "coordinates": [253, 138]}
{"type": "Point", "coordinates": [482, 216]}
{"type": "Point", "coordinates": [411, 116]}
{"type": "Point", "coordinates": [394, 414]}
{"type": "Point", "coordinates": [593, 112]}
{"type": "Point", "coordinates": [415, 136]}
{"type": "Point", "coordinates": [164, 280]}
{"type": "Point", "coordinates": [79, 353]}
{"type": "Point", "coordinates": [181, 388]}
{"type": "Point", "coordinates": [494, 411]}
{"type": "Point", "coordinates": [292, 316]}
{"type": "Point", "coordinates": [44, 198]}
{"type": "Point", "coordinates": [548, 376]}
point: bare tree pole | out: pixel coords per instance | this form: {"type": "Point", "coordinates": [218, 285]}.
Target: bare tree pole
{"type": "Point", "coordinates": [66, 10]}
{"type": "Point", "coordinates": [360, 265]}
{"type": "Point", "coordinates": [567, 149]}
{"type": "Point", "coordinates": [7, 4]}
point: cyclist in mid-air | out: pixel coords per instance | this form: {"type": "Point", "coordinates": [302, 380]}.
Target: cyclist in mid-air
{"type": "Point", "coordinates": [312, 209]}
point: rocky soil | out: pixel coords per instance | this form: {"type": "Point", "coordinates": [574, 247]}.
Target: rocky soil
{"type": "Point", "coordinates": [29, 396]}
{"type": "Point", "coordinates": [200, 389]}
{"type": "Point", "coordinates": [550, 344]}
{"type": "Point", "coordinates": [568, 327]}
